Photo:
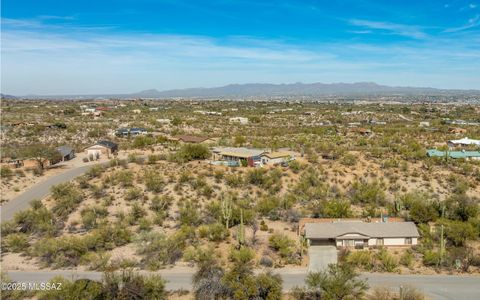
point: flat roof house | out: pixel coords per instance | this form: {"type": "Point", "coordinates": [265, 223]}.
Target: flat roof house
{"type": "Point", "coordinates": [238, 154]}
{"type": "Point", "coordinates": [475, 155]}
{"type": "Point", "coordinates": [463, 142]}
{"type": "Point", "coordinates": [361, 234]}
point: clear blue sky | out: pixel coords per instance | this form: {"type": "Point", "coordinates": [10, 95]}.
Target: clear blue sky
{"type": "Point", "coordinates": [84, 46]}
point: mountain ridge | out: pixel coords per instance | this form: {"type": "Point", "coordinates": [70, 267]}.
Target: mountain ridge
{"type": "Point", "coordinates": [270, 89]}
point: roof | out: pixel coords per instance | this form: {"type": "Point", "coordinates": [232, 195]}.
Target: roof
{"type": "Point", "coordinates": [277, 154]}
{"type": "Point", "coordinates": [238, 152]}
{"type": "Point", "coordinates": [191, 138]}
{"type": "Point", "coordinates": [108, 144]}
{"type": "Point", "coordinates": [65, 150]}
{"type": "Point", "coordinates": [465, 141]}
{"type": "Point", "coordinates": [453, 154]}
{"type": "Point", "coordinates": [374, 230]}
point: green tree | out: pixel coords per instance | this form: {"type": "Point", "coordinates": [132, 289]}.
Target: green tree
{"type": "Point", "coordinates": [41, 154]}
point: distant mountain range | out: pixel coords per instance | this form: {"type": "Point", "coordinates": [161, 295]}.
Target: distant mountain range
{"type": "Point", "coordinates": [267, 90]}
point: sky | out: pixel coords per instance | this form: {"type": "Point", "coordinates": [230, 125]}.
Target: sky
{"type": "Point", "coordinates": [92, 47]}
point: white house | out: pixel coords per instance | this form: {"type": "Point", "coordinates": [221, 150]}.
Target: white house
{"type": "Point", "coordinates": [240, 120]}
{"type": "Point", "coordinates": [464, 142]}
{"type": "Point", "coordinates": [164, 121]}
{"type": "Point", "coordinates": [361, 234]}
{"type": "Point", "coordinates": [136, 111]}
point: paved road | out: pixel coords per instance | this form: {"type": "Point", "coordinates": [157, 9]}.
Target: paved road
{"type": "Point", "coordinates": [439, 287]}
{"type": "Point", "coordinates": [38, 191]}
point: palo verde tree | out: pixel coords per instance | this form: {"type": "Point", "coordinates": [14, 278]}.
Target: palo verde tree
{"type": "Point", "coordinates": [41, 154]}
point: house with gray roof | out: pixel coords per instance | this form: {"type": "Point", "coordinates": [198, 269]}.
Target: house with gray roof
{"type": "Point", "coordinates": [361, 234]}
{"type": "Point", "coordinates": [66, 152]}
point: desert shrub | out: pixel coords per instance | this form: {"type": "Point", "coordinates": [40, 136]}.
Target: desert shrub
{"type": "Point", "coordinates": [95, 172]}
{"type": "Point", "coordinates": [256, 176]}
{"type": "Point", "coordinates": [360, 259]}
{"type": "Point", "coordinates": [385, 261]}
{"type": "Point", "coordinates": [458, 232]}
{"type": "Point", "coordinates": [95, 261]}
{"type": "Point", "coordinates": [407, 258]}
{"type": "Point", "coordinates": [215, 232]}
{"type": "Point", "coordinates": [431, 258]}
{"type": "Point", "coordinates": [90, 216]}
{"type": "Point", "coordinates": [234, 180]}
{"type": "Point", "coordinates": [153, 158]}
{"type": "Point", "coordinates": [188, 214]}
{"type": "Point", "coordinates": [16, 242]}
{"type": "Point", "coordinates": [136, 213]}
{"type": "Point", "coordinates": [348, 160]}
{"type": "Point", "coordinates": [367, 193]}
{"type": "Point", "coordinates": [266, 261]}
{"type": "Point", "coordinates": [6, 172]}
{"type": "Point", "coordinates": [337, 209]}
{"type": "Point", "coordinates": [422, 212]}
{"type": "Point", "coordinates": [67, 197]}
{"type": "Point", "coordinates": [160, 203]}
{"type": "Point", "coordinates": [158, 250]}
{"type": "Point", "coordinates": [36, 220]}
{"type": "Point", "coordinates": [283, 245]}
{"type": "Point", "coordinates": [337, 282]}
{"type": "Point", "coordinates": [190, 152]}
{"type": "Point", "coordinates": [60, 252]}
{"type": "Point", "coordinates": [153, 181]}
{"type": "Point", "coordinates": [144, 224]}
{"type": "Point", "coordinates": [267, 204]}
{"type": "Point", "coordinates": [133, 193]}
{"type": "Point", "coordinates": [123, 178]}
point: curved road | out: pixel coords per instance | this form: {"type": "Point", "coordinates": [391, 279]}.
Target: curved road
{"type": "Point", "coordinates": [439, 287]}
{"type": "Point", "coordinates": [38, 191]}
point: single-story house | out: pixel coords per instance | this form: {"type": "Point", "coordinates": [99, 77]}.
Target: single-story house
{"type": "Point", "coordinates": [361, 130]}
{"type": "Point", "coordinates": [164, 121]}
{"type": "Point", "coordinates": [277, 157]}
{"type": "Point", "coordinates": [66, 152]}
{"type": "Point", "coordinates": [239, 154]}
{"type": "Point", "coordinates": [191, 139]}
{"type": "Point", "coordinates": [125, 132]}
{"type": "Point", "coordinates": [361, 234]}
{"type": "Point", "coordinates": [424, 124]}
{"type": "Point", "coordinates": [102, 147]}
{"type": "Point", "coordinates": [239, 120]}
{"type": "Point", "coordinates": [457, 130]}
{"type": "Point", "coordinates": [475, 155]}
{"type": "Point", "coordinates": [463, 142]}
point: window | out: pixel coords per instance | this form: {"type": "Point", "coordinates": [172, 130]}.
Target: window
{"type": "Point", "coordinates": [380, 242]}
{"type": "Point", "coordinates": [408, 241]}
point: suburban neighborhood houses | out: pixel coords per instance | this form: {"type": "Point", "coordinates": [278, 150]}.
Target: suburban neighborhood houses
{"type": "Point", "coordinates": [309, 186]}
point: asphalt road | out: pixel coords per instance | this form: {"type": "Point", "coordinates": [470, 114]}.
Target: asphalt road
{"type": "Point", "coordinates": [38, 191]}
{"type": "Point", "coordinates": [439, 287]}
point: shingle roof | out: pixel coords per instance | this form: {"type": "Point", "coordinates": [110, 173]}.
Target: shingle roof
{"type": "Point", "coordinates": [64, 150]}
{"type": "Point", "coordinates": [277, 154]}
{"type": "Point", "coordinates": [380, 229]}
{"type": "Point", "coordinates": [190, 138]}
{"type": "Point", "coordinates": [108, 144]}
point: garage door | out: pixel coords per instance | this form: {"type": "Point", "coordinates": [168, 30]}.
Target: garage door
{"type": "Point", "coordinates": [320, 257]}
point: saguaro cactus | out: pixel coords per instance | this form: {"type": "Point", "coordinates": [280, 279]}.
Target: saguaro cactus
{"type": "Point", "coordinates": [241, 230]}
{"type": "Point", "coordinates": [226, 210]}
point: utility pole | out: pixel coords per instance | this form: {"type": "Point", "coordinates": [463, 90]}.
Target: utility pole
{"type": "Point", "coordinates": [442, 241]}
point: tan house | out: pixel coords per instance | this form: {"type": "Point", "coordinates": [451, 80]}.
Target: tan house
{"type": "Point", "coordinates": [102, 147]}
{"type": "Point", "coordinates": [277, 157]}
{"type": "Point", "coordinates": [359, 234]}
{"type": "Point", "coordinates": [191, 139]}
